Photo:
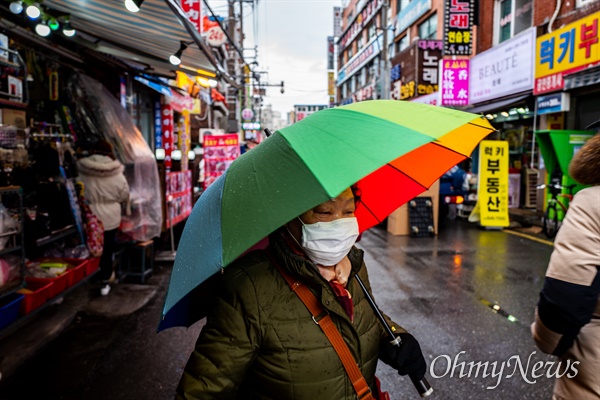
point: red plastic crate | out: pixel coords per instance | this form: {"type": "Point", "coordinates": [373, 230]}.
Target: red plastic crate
{"type": "Point", "coordinates": [31, 301]}
{"type": "Point", "coordinates": [93, 264]}
{"type": "Point", "coordinates": [76, 270]}
{"type": "Point", "coordinates": [59, 283]}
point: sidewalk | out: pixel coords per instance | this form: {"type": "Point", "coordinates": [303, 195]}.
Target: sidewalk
{"type": "Point", "coordinates": [27, 340]}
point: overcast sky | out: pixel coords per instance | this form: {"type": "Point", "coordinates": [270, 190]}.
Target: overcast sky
{"type": "Point", "coordinates": [291, 36]}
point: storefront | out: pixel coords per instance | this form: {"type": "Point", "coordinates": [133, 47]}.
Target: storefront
{"type": "Point", "coordinates": [500, 88]}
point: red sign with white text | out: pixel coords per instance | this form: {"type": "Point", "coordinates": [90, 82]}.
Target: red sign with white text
{"type": "Point", "coordinates": [219, 153]}
{"type": "Point", "coordinates": [167, 133]}
{"type": "Point", "coordinates": [193, 10]}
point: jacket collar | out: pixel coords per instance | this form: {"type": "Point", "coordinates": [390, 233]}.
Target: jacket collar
{"type": "Point", "coordinates": [99, 165]}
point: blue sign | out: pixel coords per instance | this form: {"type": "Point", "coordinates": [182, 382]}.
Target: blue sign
{"type": "Point", "coordinates": [415, 10]}
{"type": "Point", "coordinates": [553, 103]}
{"type": "Point", "coordinates": [157, 126]}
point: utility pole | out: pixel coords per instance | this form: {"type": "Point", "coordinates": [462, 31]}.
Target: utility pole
{"type": "Point", "coordinates": [233, 93]}
{"type": "Point", "coordinates": [385, 90]}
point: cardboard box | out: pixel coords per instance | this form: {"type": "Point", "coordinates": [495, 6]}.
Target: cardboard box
{"type": "Point", "coordinates": [398, 220]}
{"type": "Point", "coordinates": [13, 117]}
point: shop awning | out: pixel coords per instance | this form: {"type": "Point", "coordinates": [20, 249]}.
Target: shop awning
{"type": "Point", "coordinates": [162, 89]}
{"type": "Point", "coordinates": [496, 105]}
{"type": "Point", "coordinates": [587, 77]}
{"type": "Point", "coordinates": [148, 37]}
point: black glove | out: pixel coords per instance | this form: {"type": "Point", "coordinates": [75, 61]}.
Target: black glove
{"type": "Point", "coordinates": [407, 358]}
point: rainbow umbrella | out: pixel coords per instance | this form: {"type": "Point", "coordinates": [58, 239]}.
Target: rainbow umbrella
{"type": "Point", "coordinates": [393, 150]}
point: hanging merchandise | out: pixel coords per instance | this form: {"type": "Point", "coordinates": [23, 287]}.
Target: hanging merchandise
{"type": "Point", "coordinates": [95, 110]}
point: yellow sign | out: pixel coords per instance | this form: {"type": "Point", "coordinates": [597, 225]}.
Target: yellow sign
{"type": "Point", "coordinates": [567, 49]}
{"type": "Point", "coordinates": [492, 192]}
{"type": "Point", "coordinates": [330, 83]}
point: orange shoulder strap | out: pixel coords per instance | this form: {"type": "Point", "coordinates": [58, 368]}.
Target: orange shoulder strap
{"type": "Point", "coordinates": [321, 317]}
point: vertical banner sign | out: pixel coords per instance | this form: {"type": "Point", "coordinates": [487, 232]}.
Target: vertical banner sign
{"type": "Point", "coordinates": [492, 194]}
{"type": "Point", "coordinates": [337, 21]}
{"type": "Point", "coordinates": [458, 27]}
{"type": "Point", "coordinates": [330, 52]}
{"type": "Point", "coordinates": [184, 140]}
{"type": "Point", "coordinates": [565, 50]}
{"type": "Point", "coordinates": [193, 10]}
{"type": "Point", "coordinates": [219, 153]}
{"type": "Point", "coordinates": [178, 193]}
{"type": "Point", "coordinates": [330, 83]}
{"type": "Point", "coordinates": [123, 92]}
{"type": "Point", "coordinates": [167, 133]}
{"type": "Point", "coordinates": [455, 82]}
{"type": "Point", "coordinates": [158, 142]}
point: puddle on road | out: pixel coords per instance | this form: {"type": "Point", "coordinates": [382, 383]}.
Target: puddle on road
{"type": "Point", "coordinates": [498, 310]}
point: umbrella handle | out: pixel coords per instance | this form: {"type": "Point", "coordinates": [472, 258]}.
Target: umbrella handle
{"type": "Point", "coordinates": [422, 386]}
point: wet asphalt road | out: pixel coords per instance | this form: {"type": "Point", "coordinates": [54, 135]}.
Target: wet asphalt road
{"type": "Point", "coordinates": [441, 289]}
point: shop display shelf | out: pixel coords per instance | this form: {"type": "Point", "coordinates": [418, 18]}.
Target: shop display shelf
{"type": "Point", "coordinates": [36, 298]}
{"type": "Point", "coordinates": [10, 250]}
{"type": "Point", "coordinates": [69, 230]}
{"type": "Point", "coordinates": [9, 309]}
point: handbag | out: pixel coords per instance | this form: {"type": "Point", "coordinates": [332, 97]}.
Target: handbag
{"type": "Point", "coordinates": [94, 230]}
{"type": "Point", "coordinates": [321, 317]}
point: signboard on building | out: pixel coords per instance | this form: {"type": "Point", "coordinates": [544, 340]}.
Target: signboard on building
{"type": "Point", "coordinates": [565, 50]}
{"type": "Point", "coordinates": [219, 153]}
{"type": "Point", "coordinates": [458, 27]}
{"type": "Point", "coordinates": [492, 193]}
{"type": "Point", "coordinates": [158, 143]}
{"type": "Point", "coordinates": [415, 70]}
{"type": "Point", "coordinates": [553, 103]}
{"type": "Point", "coordinates": [167, 133]}
{"type": "Point", "coordinates": [360, 59]}
{"type": "Point", "coordinates": [455, 82]}
{"type": "Point", "coordinates": [337, 21]}
{"type": "Point", "coordinates": [193, 10]}
{"type": "Point", "coordinates": [415, 10]}
{"type": "Point", "coordinates": [330, 83]}
{"type": "Point", "coordinates": [504, 69]}
{"type": "Point", "coordinates": [431, 99]}
{"type": "Point", "coordinates": [360, 21]}
{"type": "Point", "coordinates": [178, 194]}
{"type": "Point", "coordinates": [330, 48]}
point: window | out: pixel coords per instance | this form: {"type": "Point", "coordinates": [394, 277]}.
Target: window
{"type": "Point", "coordinates": [349, 52]}
{"type": "Point", "coordinates": [360, 42]}
{"type": "Point", "coordinates": [403, 43]}
{"type": "Point", "coordinates": [362, 78]}
{"type": "Point", "coordinates": [428, 29]}
{"type": "Point", "coordinates": [512, 18]}
{"type": "Point", "coordinates": [401, 4]}
{"type": "Point", "coordinates": [372, 30]}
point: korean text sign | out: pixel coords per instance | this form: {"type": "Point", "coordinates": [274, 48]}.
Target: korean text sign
{"type": "Point", "coordinates": [455, 82]}
{"type": "Point", "coordinates": [219, 153]}
{"type": "Point", "coordinates": [178, 193]}
{"type": "Point", "coordinates": [458, 27]}
{"type": "Point", "coordinates": [492, 194]}
{"type": "Point", "coordinates": [167, 133]}
{"type": "Point", "coordinates": [193, 10]}
{"type": "Point", "coordinates": [565, 50]}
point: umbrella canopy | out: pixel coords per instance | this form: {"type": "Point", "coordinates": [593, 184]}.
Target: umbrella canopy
{"type": "Point", "coordinates": [393, 150]}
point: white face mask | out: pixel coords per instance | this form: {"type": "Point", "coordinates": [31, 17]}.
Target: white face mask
{"type": "Point", "coordinates": [327, 243]}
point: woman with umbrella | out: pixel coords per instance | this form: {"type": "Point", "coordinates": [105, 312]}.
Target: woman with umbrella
{"type": "Point", "coordinates": [260, 341]}
{"type": "Point", "coordinates": [297, 320]}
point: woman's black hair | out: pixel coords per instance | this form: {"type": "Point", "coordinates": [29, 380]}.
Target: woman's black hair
{"type": "Point", "coordinates": [357, 192]}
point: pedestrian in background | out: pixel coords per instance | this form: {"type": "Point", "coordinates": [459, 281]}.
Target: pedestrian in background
{"type": "Point", "coordinates": [567, 318]}
{"type": "Point", "coordinates": [106, 190]}
{"type": "Point", "coordinates": [260, 340]}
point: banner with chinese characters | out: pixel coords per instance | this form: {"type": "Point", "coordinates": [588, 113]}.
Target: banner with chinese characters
{"type": "Point", "coordinates": [458, 27]}
{"type": "Point", "coordinates": [219, 153]}
{"type": "Point", "coordinates": [455, 82]}
{"type": "Point", "coordinates": [492, 193]}
{"type": "Point", "coordinates": [330, 48]}
{"type": "Point", "coordinates": [167, 133]}
{"type": "Point", "coordinates": [414, 71]}
{"type": "Point", "coordinates": [178, 195]}
{"type": "Point", "coordinates": [565, 50]}
{"type": "Point", "coordinates": [193, 10]}
{"type": "Point", "coordinates": [330, 83]}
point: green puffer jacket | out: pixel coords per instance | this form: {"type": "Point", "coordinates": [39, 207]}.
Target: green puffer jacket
{"type": "Point", "coordinates": [260, 341]}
